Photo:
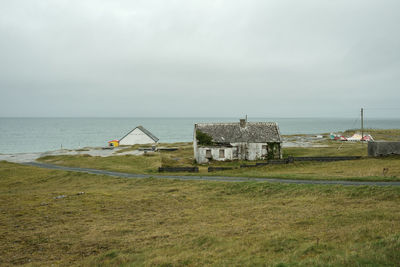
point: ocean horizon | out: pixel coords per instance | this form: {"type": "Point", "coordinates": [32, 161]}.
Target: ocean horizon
{"type": "Point", "coordinates": [28, 135]}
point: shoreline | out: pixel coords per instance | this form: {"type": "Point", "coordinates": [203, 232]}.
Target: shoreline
{"type": "Point", "coordinates": [92, 151]}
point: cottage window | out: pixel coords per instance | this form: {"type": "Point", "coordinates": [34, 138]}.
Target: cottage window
{"type": "Point", "coordinates": [264, 150]}
{"type": "Point", "coordinates": [235, 152]}
{"type": "Point", "coordinates": [208, 154]}
{"type": "Point", "coordinates": [222, 153]}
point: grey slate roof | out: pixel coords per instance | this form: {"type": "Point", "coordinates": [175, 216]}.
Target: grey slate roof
{"type": "Point", "coordinates": [149, 134]}
{"type": "Point", "coordinates": [253, 132]}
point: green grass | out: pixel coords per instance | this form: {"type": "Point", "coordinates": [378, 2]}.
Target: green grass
{"type": "Point", "coordinates": [366, 169]}
{"type": "Point", "coordinates": [332, 148]}
{"type": "Point", "coordinates": [143, 222]}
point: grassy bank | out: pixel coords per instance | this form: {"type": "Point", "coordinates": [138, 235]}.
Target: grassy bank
{"type": "Point", "coordinates": [174, 223]}
{"type": "Point", "coordinates": [367, 169]}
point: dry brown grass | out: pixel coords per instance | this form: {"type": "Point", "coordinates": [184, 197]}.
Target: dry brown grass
{"type": "Point", "coordinates": [143, 222]}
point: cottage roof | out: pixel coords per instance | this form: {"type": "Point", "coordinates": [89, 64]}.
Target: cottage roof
{"type": "Point", "coordinates": [253, 132]}
{"type": "Point", "coordinates": [149, 134]}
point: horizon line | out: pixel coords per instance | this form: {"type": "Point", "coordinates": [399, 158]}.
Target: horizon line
{"type": "Point", "coordinates": [194, 117]}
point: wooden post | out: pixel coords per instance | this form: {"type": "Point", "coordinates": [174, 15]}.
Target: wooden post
{"type": "Point", "coordinates": [362, 125]}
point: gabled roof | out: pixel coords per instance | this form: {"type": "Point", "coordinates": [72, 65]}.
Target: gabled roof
{"type": "Point", "coordinates": [253, 132]}
{"type": "Point", "coordinates": [140, 127]}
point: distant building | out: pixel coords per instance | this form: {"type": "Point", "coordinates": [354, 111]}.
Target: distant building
{"type": "Point", "coordinates": [236, 141]}
{"type": "Point", "coordinates": [359, 137]}
{"type": "Point", "coordinates": [139, 135]}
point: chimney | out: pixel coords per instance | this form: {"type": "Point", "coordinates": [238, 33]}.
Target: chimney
{"type": "Point", "coordinates": [242, 123]}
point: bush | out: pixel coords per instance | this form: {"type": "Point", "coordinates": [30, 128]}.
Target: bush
{"type": "Point", "coordinates": [203, 138]}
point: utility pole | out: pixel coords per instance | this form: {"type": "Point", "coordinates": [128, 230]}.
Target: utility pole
{"type": "Point", "coordinates": [362, 124]}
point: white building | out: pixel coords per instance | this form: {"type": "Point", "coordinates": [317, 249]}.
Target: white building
{"type": "Point", "coordinates": [242, 140]}
{"type": "Point", "coordinates": [139, 135]}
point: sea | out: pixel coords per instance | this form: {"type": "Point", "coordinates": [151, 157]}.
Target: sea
{"type": "Point", "coordinates": [28, 135]}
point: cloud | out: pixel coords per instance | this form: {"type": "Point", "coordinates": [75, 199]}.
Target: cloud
{"type": "Point", "coordinates": [158, 58]}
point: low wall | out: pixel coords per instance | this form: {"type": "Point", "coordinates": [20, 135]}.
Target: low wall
{"type": "Point", "coordinates": [178, 169]}
{"type": "Point", "coordinates": [379, 149]}
{"type": "Point", "coordinates": [274, 161]}
{"type": "Point", "coordinates": [333, 158]}
{"type": "Point", "coordinates": [293, 159]}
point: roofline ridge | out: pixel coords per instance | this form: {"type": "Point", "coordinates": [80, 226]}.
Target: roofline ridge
{"type": "Point", "coordinates": [216, 123]}
{"type": "Point", "coordinates": [145, 131]}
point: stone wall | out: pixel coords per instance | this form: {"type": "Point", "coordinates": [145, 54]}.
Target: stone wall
{"type": "Point", "coordinates": [379, 149]}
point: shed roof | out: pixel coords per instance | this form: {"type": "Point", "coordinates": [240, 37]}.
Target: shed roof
{"type": "Point", "coordinates": [144, 130]}
{"type": "Point", "coordinates": [253, 132]}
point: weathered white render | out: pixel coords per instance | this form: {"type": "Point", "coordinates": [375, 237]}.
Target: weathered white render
{"type": "Point", "coordinates": [139, 135]}
{"type": "Point", "coordinates": [234, 141]}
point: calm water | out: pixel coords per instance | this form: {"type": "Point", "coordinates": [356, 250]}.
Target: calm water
{"type": "Point", "coordinates": [20, 135]}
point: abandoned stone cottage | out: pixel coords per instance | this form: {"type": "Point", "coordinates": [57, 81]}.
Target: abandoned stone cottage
{"type": "Point", "coordinates": [242, 140]}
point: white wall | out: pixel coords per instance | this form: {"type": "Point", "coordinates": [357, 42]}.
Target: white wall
{"type": "Point", "coordinates": [255, 151]}
{"type": "Point", "coordinates": [251, 151]}
{"type": "Point", "coordinates": [245, 151]}
{"type": "Point", "coordinates": [136, 137]}
{"type": "Point", "coordinates": [201, 154]}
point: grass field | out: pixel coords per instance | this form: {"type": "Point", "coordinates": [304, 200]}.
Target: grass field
{"type": "Point", "coordinates": [155, 222]}
{"type": "Point", "coordinates": [366, 169]}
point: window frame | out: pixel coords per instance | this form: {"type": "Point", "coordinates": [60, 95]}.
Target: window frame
{"type": "Point", "coordinates": [223, 153]}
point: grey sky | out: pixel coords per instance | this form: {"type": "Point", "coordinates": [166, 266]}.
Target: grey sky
{"type": "Point", "coordinates": [199, 58]}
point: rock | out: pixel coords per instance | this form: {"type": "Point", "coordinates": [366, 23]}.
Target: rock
{"type": "Point", "coordinates": [80, 193]}
{"type": "Point", "coordinates": [60, 197]}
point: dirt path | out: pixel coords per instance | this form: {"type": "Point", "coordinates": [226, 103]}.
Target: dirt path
{"type": "Point", "coordinates": [208, 178]}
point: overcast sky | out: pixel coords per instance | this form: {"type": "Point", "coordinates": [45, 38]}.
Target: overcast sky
{"type": "Point", "coordinates": [267, 58]}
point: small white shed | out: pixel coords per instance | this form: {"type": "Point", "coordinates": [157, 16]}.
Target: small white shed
{"type": "Point", "coordinates": [139, 135]}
